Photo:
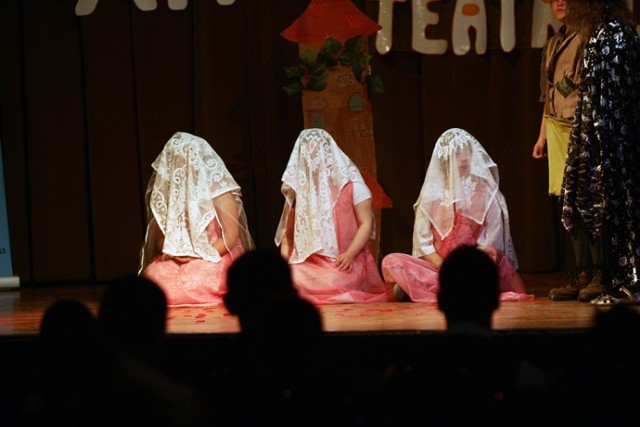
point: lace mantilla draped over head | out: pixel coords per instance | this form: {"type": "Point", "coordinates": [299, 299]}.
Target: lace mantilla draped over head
{"type": "Point", "coordinates": [315, 175]}
{"type": "Point", "coordinates": [462, 178]}
{"type": "Point", "coordinates": [188, 176]}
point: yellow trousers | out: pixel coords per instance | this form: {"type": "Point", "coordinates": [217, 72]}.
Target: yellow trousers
{"type": "Point", "coordinates": [558, 131]}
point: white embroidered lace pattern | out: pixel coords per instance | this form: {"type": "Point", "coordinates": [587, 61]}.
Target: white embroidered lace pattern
{"type": "Point", "coordinates": [314, 177]}
{"type": "Point", "coordinates": [188, 176]}
{"type": "Point", "coordinates": [467, 189]}
{"type": "Point", "coordinates": [459, 168]}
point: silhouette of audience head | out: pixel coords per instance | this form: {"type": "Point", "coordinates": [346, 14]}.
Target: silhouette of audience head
{"type": "Point", "coordinates": [66, 322]}
{"type": "Point", "coordinates": [253, 279]}
{"type": "Point", "coordinates": [605, 376]}
{"type": "Point", "coordinates": [469, 287]}
{"type": "Point", "coordinates": [68, 338]}
{"type": "Point", "coordinates": [132, 317]}
{"type": "Point", "coordinates": [288, 340]}
{"type": "Point", "coordinates": [615, 336]}
{"type": "Point", "coordinates": [70, 360]}
{"type": "Point", "coordinates": [281, 336]}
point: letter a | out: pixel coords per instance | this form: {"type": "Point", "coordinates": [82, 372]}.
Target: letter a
{"type": "Point", "coordinates": [469, 13]}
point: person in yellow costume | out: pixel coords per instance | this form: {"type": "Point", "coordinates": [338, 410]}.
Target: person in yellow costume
{"type": "Point", "coordinates": [559, 80]}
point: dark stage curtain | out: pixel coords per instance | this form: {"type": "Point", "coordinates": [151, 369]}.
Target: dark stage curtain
{"type": "Point", "coordinates": [86, 104]}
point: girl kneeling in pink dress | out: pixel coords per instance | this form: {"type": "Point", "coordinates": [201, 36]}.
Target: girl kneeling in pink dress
{"type": "Point", "coordinates": [459, 204]}
{"type": "Point", "coordinates": [326, 225]}
{"type": "Point", "coordinates": [197, 225]}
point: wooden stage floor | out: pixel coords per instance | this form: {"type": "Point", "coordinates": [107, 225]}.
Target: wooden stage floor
{"type": "Point", "coordinates": [22, 309]}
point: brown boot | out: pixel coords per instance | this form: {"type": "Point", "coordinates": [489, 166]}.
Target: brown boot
{"type": "Point", "coordinates": [585, 278]}
{"type": "Point", "coordinates": [592, 290]}
{"type": "Point", "coordinates": [570, 290]}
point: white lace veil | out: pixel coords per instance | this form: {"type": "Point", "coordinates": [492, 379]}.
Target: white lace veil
{"type": "Point", "coordinates": [315, 175]}
{"type": "Point", "coordinates": [188, 175]}
{"type": "Point", "coordinates": [459, 170]}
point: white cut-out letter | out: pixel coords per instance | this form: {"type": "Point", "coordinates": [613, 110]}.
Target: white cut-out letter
{"type": "Point", "coordinates": [507, 25]}
{"type": "Point", "coordinates": [422, 18]}
{"type": "Point", "coordinates": [469, 13]}
{"type": "Point", "coordinates": [541, 19]}
{"type": "Point", "coordinates": [178, 4]}
{"type": "Point", "coordinates": [384, 38]}
{"type": "Point", "coordinates": [146, 5]}
{"type": "Point", "coordinates": [85, 7]}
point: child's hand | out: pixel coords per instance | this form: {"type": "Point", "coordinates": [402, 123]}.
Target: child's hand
{"type": "Point", "coordinates": [344, 262]}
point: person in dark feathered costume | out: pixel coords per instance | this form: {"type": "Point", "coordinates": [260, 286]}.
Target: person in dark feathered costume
{"type": "Point", "coordinates": [601, 187]}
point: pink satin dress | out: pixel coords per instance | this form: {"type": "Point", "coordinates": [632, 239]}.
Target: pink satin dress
{"type": "Point", "coordinates": [418, 278]}
{"type": "Point", "coordinates": [197, 282]}
{"type": "Point", "coordinates": [319, 281]}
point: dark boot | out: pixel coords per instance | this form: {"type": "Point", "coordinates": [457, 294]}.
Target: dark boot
{"type": "Point", "coordinates": [570, 290]}
{"type": "Point", "coordinates": [593, 289]}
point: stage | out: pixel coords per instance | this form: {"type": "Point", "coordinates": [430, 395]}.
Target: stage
{"type": "Point", "coordinates": [22, 309]}
{"type": "Point", "coordinates": [362, 338]}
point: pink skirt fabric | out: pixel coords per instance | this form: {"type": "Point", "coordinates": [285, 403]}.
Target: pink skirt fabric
{"type": "Point", "coordinates": [194, 283]}
{"type": "Point", "coordinates": [419, 278]}
{"type": "Point", "coordinates": [319, 281]}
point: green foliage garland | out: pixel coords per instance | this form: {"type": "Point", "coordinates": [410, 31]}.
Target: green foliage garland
{"type": "Point", "coordinates": [311, 73]}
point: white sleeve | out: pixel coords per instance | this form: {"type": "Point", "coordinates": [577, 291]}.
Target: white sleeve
{"type": "Point", "coordinates": [422, 235]}
{"type": "Point", "coordinates": [360, 193]}
{"type": "Point", "coordinates": [492, 231]}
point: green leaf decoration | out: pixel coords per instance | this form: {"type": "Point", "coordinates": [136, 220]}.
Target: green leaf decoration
{"type": "Point", "coordinates": [354, 44]}
{"type": "Point", "coordinates": [357, 70]}
{"type": "Point", "coordinates": [366, 60]}
{"type": "Point", "coordinates": [293, 88]}
{"type": "Point", "coordinates": [307, 58]}
{"type": "Point", "coordinates": [346, 58]}
{"type": "Point", "coordinates": [318, 83]}
{"type": "Point", "coordinates": [375, 83]}
{"type": "Point", "coordinates": [317, 69]}
{"type": "Point", "coordinates": [294, 72]}
{"type": "Point", "coordinates": [331, 46]}
{"type": "Point", "coordinates": [328, 59]}
{"type": "Point", "coordinates": [313, 67]}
